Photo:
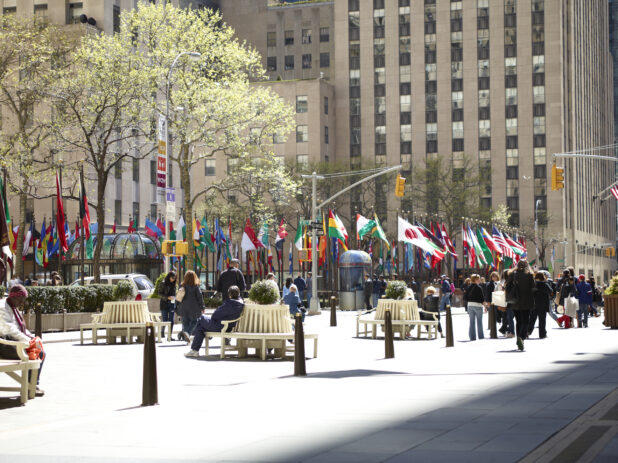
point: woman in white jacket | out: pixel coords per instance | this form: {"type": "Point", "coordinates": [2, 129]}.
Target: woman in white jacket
{"type": "Point", "coordinates": [12, 324]}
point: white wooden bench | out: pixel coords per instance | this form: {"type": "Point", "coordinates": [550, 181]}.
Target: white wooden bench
{"type": "Point", "coordinates": [124, 319]}
{"type": "Point", "coordinates": [19, 369]}
{"type": "Point", "coordinates": [260, 328]}
{"type": "Point", "coordinates": [405, 314]}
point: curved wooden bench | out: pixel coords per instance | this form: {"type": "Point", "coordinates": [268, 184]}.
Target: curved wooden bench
{"type": "Point", "coordinates": [19, 369]}
{"type": "Point", "coordinates": [405, 314]}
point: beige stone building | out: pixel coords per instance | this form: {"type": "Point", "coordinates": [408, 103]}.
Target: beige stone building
{"type": "Point", "coordinates": [385, 82]}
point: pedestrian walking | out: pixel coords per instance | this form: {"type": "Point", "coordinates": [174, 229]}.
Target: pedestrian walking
{"type": "Point", "coordinates": [447, 288]}
{"type": "Point", "coordinates": [367, 292]}
{"type": "Point", "coordinates": [542, 301]}
{"type": "Point", "coordinates": [508, 317]}
{"type": "Point", "coordinates": [584, 296]}
{"type": "Point", "coordinates": [301, 285]}
{"type": "Point", "coordinates": [520, 288]}
{"type": "Point", "coordinates": [286, 287]}
{"type": "Point", "coordinates": [489, 289]}
{"type": "Point", "coordinates": [232, 276]}
{"type": "Point", "coordinates": [192, 304]}
{"type": "Point", "coordinates": [375, 290]}
{"type": "Point", "coordinates": [464, 288]}
{"type": "Point", "coordinates": [309, 289]}
{"type": "Point", "coordinates": [475, 297]}
{"type": "Point", "coordinates": [167, 305]}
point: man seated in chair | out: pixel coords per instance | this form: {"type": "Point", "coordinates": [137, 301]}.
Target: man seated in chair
{"type": "Point", "coordinates": [231, 309]}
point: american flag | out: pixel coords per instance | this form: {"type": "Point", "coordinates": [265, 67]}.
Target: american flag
{"type": "Point", "coordinates": [500, 241]}
{"type": "Point", "coordinates": [614, 191]}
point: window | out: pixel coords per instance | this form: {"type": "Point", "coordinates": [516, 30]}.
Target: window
{"type": "Point", "coordinates": [380, 134]}
{"type": "Point", "coordinates": [306, 60]}
{"type": "Point", "coordinates": [538, 33]}
{"type": "Point", "coordinates": [153, 212]}
{"type": "Point", "coordinates": [378, 47]}
{"type": "Point", "coordinates": [271, 63]}
{"type": "Point", "coordinates": [135, 170]}
{"type": "Point", "coordinates": [457, 100]}
{"type": "Point", "coordinates": [485, 128]}
{"type": "Point", "coordinates": [353, 5]}
{"type": "Point", "coordinates": [301, 104]}
{"type": "Point", "coordinates": [483, 98]}
{"type": "Point", "coordinates": [405, 133]}
{"type": "Point", "coordinates": [118, 212]}
{"type": "Point", "coordinates": [378, 18]}
{"type": "Point", "coordinates": [512, 157]}
{"type": "Point", "coordinates": [404, 45]}
{"type": "Point", "coordinates": [539, 125]}
{"type": "Point", "coordinates": [404, 103]}
{"type": "Point", "coordinates": [7, 10]}
{"type": "Point", "coordinates": [278, 138]}
{"type": "Point", "coordinates": [457, 70]}
{"type": "Point", "coordinates": [510, 66]}
{"type": "Point", "coordinates": [511, 126]}
{"type": "Point", "coordinates": [231, 164]}
{"type": "Point", "coordinates": [379, 76]}
{"type": "Point", "coordinates": [302, 135]}
{"type": "Point", "coordinates": [306, 36]}
{"type": "Point", "coordinates": [116, 18]}
{"type": "Point", "coordinates": [540, 156]}
{"type": "Point", "coordinates": [380, 105]}
{"type": "Point", "coordinates": [355, 136]}
{"type": "Point", "coordinates": [354, 19]}
{"type": "Point", "coordinates": [288, 38]}
{"type": "Point", "coordinates": [404, 74]}
{"type": "Point", "coordinates": [512, 188]}
{"type": "Point", "coordinates": [355, 107]}
{"type": "Point", "coordinates": [325, 105]}
{"type": "Point", "coordinates": [324, 34]}
{"type": "Point", "coordinates": [289, 62]}
{"type": "Point", "coordinates": [540, 186]}
{"type": "Point", "coordinates": [325, 60]}
{"type": "Point", "coordinates": [354, 77]}
{"type": "Point", "coordinates": [511, 96]}
{"type": "Point", "coordinates": [432, 131]}
{"type": "Point", "coordinates": [118, 169]}
{"type": "Point", "coordinates": [210, 165]}
{"type": "Point", "coordinates": [153, 172]}
{"type": "Point", "coordinates": [255, 135]}
{"type": "Point", "coordinates": [271, 39]}
{"type": "Point", "coordinates": [484, 68]}
{"type": "Point", "coordinates": [302, 160]}
{"type": "Point", "coordinates": [326, 135]}
{"type": "Point", "coordinates": [458, 129]}
{"type": "Point", "coordinates": [538, 63]}
{"type": "Point", "coordinates": [40, 11]}
{"type": "Point", "coordinates": [538, 94]}
{"type": "Point", "coordinates": [431, 71]}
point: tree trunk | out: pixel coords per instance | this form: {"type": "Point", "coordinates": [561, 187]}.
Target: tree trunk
{"type": "Point", "coordinates": [185, 182]}
{"type": "Point", "coordinates": [19, 263]}
{"type": "Point", "coordinates": [100, 208]}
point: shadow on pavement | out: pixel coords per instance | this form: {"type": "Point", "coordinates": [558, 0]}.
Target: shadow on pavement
{"type": "Point", "coordinates": [9, 402]}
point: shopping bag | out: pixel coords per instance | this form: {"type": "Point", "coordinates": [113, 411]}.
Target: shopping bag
{"type": "Point", "coordinates": [570, 306]}
{"type": "Point", "coordinates": [498, 298]}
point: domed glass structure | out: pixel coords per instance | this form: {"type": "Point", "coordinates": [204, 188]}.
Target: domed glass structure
{"type": "Point", "coordinates": [121, 253]}
{"type": "Point", "coordinates": [353, 267]}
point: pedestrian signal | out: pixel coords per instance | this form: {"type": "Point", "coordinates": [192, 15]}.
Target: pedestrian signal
{"type": "Point", "coordinates": [400, 185]}
{"type": "Point", "coordinates": [557, 178]}
{"type": "Point", "coordinates": [174, 248]}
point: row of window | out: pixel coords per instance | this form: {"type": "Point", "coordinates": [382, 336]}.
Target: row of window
{"type": "Point", "coordinates": [306, 62]}
{"type": "Point", "coordinates": [306, 37]}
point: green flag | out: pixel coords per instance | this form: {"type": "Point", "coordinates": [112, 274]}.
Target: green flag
{"type": "Point", "coordinates": [205, 238]}
{"type": "Point", "coordinates": [489, 258]}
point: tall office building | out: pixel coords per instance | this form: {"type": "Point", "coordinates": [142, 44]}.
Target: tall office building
{"type": "Point", "coordinates": [506, 82]}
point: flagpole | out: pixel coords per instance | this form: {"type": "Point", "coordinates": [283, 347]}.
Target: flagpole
{"type": "Point", "coordinates": [60, 231]}
{"type": "Point", "coordinates": [9, 230]}
{"type": "Point", "coordinates": [83, 237]}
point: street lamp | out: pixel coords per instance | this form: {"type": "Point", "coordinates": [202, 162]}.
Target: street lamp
{"type": "Point", "coordinates": [194, 56]}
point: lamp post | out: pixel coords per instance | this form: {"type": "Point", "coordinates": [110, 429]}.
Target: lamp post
{"type": "Point", "coordinates": [536, 228]}
{"type": "Point", "coordinates": [195, 56]}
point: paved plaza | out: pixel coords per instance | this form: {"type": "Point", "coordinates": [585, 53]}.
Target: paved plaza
{"type": "Point", "coordinates": [478, 401]}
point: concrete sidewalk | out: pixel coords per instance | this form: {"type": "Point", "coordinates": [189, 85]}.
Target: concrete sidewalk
{"type": "Point", "coordinates": [478, 401]}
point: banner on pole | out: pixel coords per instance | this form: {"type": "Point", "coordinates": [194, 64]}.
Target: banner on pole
{"type": "Point", "coordinates": [162, 160]}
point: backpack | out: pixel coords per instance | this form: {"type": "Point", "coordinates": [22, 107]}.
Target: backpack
{"type": "Point", "coordinates": [180, 294]}
{"type": "Point", "coordinates": [452, 288]}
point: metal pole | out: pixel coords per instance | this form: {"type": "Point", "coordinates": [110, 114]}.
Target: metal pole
{"type": "Point", "coordinates": [536, 230]}
{"type": "Point", "coordinates": [82, 248]}
{"type": "Point", "coordinates": [314, 308]}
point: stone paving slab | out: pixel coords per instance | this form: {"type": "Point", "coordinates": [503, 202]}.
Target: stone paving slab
{"type": "Point", "coordinates": [478, 401]}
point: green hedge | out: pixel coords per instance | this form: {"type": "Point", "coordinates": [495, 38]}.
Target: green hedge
{"type": "Point", "coordinates": [57, 299]}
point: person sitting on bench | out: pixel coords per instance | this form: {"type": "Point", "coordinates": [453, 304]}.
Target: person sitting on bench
{"type": "Point", "coordinates": [231, 309]}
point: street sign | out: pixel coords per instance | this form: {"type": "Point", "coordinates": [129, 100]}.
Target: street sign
{"type": "Point", "coordinates": [170, 212]}
{"type": "Point", "coordinates": [319, 232]}
{"type": "Point", "coordinates": [171, 195]}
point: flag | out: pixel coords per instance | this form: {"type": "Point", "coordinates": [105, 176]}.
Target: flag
{"type": "Point", "coordinates": [322, 243]}
{"type": "Point", "coordinates": [114, 227]}
{"type": "Point", "coordinates": [480, 257]}
{"type": "Point", "coordinates": [64, 247]}
{"type": "Point", "coordinates": [206, 237]}
{"type": "Point", "coordinates": [172, 232]}
{"type": "Point", "coordinates": [291, 261]}
{"type": "Point", "coordinates": [336, 229]}
{"type": "Point", "coordinates": [263, 234]}
{"type": "Point", "coordinates": [298, 239]}
{"type": "Point", "coordinates": [84, 215]}
{"type": "Point", "coordinates": [489, 258]}
{"type": "Point", "coordinates": [614, 191]}
{"type": "Point", "coordinates": [500, 241]}
{"type": "Point", "coordinates": [27, 241]}
{"type": "Point", "coordinates": [490, 242]}
{"type": "Point", "coordinates": [468, 246]}
{"type": "Point", "coordinates": [67, 232]}
{"type": "Point", "coordinates": [160, 226]}
{"type": "Point", "coordinates": [270, 259]}
{"type": "Point", "coordinates": [375, 230]}
{"type": "Point", "coordinates": [5, 224]}
{"type": "Point", "coordinates": [77, 234]}
{"type": "Point", "coordinates": [182, 227]}
{"type": "Point", "coordinates": [517, 248]}
{"type": "Point", "coordinates": [449, 242]}
{"type": "Point", "coordinates": [412, 234]}
{"type": "Point", "coordinates": [249, 241]}
{"type": "Point", "coordinates": [281, 234]}
{"type": "Point", "coordinates": [131, 228]}
{"type": "Point", "coordinates": [151, 228]}
{"type": "Point", "coordinates": [361, 221]}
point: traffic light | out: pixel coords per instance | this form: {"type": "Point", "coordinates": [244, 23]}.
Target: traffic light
{"type": "Point", "coordinates": [557, 177]}
{"type": "Point", "coordinates": [174, 248]}
{"type": "Point", "coordinates": [400, 185]}
{"type": "Point", "coordinates": [610, 252]}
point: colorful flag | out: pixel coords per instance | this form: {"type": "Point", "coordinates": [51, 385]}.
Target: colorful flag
{"type": "Point", "coordinates": [131, 228]}
{"type": "Point", "coordinates": [291, 261]}
{"type": "Point", "coordinates": [361, 221]}
{"type": "Point", "coordinates": [151, 228]}
{"type": "Point", "coordinates": [206, 237]}
{"type": "Point", "coordinates": [114, 227]}
{"type": "Point", "coordinates": [614, 191]}
{"type": "Point", "coordinates": [374, 229]}
{"type": "Point", "coordinates": [498, 237]}
{"type": "Point", "coordinates": [490, 242]}
{"type": "Point", "coordinates": [281, 234]}
{"type": "Point", "coordinates": [27, 241]}
{"type": "Point", "coordinates": [249, 241]}
{"type": "Point", "coordinates": [263, 234]}
{"type": "Point", "coordinates": [412, 234]}
{"type": "Point", "coordinates": [336, 229]}
{"type": "Point", "coordinates": [182, 227]}
{"type": "Point", "coordinates": [64, 247]}
{"type": "Point", "coordinates": [489, 258]}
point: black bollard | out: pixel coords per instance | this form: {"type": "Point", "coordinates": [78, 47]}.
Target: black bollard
{"type": "Point", "coordinates": [38, 328]}
{"type": "Point", "coordinates": [150, 393]}
{"type": "Point", "coordinates": [333, 311]}
{"type": "Point", "coordinates": [449, 327]}
{"type": "Point", "coordinates": [389, 348]}
{"type": "Point", "coordinates": [299, 347]}
{"type": "Point", "coordinates": [493, 332]}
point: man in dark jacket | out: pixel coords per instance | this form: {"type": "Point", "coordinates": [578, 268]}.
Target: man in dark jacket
{"type": "Point", "coordinates": [520, 286]}
{"type": "Point", "coordinates": [230, 277]}
{"type": "Point", "coordinates": [301, 285]}
{"type": "Point", "coordinates": [367, 292]}
{"type": "Point", "coordinates": [231, 309]}
{"type": "Point", "coordinates": [445, 286]}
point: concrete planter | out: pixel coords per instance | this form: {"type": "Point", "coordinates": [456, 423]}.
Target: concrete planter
{"type": "Point", "coordinates": [154, 305]}
{"type": "Point", "coordinates": [59, 321]}
{"type": "Point", "coordinates": [611, 310]}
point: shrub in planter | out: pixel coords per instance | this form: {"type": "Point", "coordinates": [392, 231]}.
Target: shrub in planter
{"type": "Point", "coordinates": [613, 287]}
{"type": "Point", "coordinates": [157, 283]}
{"type": "Point", "coordinates": [396, 289]}
{"type": "Point", "coordinates": [123, 291]}
{"type": "Point", "coordinates": [72, 299]}
{"type": "Point", "coordinates": [263, 293]}
{"type": "Point", "coordinates": [212, 302]}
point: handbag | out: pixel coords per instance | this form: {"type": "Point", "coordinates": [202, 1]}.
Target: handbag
{"type": "Point", "coordinates": [498, 298]}
{"type": "Point", "coordinates": [180, 294]}
{"type": "Point", "coordinates": [570, 306]}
